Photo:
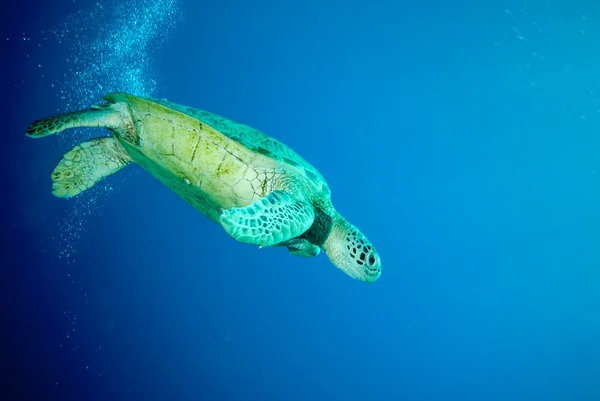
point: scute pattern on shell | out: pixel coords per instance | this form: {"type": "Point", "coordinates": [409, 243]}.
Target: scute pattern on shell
{"type": "Point", "coordinates": [254, 140]}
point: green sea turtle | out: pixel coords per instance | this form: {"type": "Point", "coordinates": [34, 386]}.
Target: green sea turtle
{"type": "Point", "coordinates": [259, 190]}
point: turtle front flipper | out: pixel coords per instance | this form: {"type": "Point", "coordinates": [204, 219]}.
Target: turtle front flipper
{"type": "Point", "coordinates": [268, 221]}
{"type": "Point", "coordinates": [86, 164]}
{"type": "Point", "coordinates": [301, 247]}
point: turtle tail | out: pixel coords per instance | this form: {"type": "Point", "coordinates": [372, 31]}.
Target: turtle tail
{"type": "Point", "coordinates": [100, 116]}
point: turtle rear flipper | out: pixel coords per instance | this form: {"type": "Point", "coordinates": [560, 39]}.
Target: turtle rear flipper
{"type": "Point", "coordinates": [86, 164]}
{"type": "Point", "coordinates": [97, 117]}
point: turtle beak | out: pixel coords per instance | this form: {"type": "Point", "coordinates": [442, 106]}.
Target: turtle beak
{"type": "Point", "coordinates": [356, 271]}
{"type": "Point", "coordinates": [372, 274]}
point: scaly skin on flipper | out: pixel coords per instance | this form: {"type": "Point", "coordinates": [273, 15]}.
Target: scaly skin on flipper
{"type": "Point", "coordinates": [85, 118]}
{"type": "Point", "coordinates": [86, 164]}
{"type": "Point", "coordinates": [273, 219]}
{"type": "Point", "coordinates": [259, 190]}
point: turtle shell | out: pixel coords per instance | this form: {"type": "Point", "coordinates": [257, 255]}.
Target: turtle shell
{"type": "Point", "coordinates": [254, 140]}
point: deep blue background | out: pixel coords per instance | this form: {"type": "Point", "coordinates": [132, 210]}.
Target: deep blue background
{"type": "Point", "coordinates": [462, 138]}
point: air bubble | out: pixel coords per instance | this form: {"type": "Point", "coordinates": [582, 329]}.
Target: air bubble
{"type": "Point", "coordinates": [106, 51]}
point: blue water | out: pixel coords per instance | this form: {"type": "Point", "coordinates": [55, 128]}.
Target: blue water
{"type": "Point", "coordinates": [463, 138]}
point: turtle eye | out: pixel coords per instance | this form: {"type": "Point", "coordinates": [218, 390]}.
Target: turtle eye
{"type": "Point", "coordinates": [371, 260]}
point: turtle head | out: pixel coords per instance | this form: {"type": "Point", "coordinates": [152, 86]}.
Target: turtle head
{"type": "Point", "coordinates": [351, 252]}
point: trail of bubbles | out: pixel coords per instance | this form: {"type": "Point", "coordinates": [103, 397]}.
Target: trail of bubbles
{"type": "Point", "coordinates": [109, 49]}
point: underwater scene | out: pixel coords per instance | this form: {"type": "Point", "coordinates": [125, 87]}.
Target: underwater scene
{"type": "Point", "coordinates": [289, 201]}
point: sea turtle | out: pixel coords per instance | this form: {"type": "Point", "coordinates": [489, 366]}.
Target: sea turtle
{"type": "Point", "coordinates": [259, 190]}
